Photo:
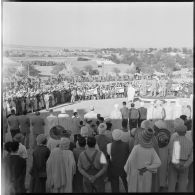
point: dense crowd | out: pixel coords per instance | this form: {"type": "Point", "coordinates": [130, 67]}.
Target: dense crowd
{"type": "Point", "coordinates": [33, 94]}
{"type": "Point", "coordinates": [133, 150]}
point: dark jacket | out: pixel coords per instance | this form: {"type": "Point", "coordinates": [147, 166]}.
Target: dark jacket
{"type": "Point", "coordinates": [102, 142]}
{"type": "Point", "coordinates": [38, 171]}
{"type": "Point", "coordinates": [119, 156]}
{"type": "Point", "coordinates": [15, 172]}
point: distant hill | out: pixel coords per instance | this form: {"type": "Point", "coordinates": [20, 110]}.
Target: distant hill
{"type": "Point", "coordinates": [24, 47]}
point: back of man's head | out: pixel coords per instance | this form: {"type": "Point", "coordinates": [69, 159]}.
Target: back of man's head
{"type": "Point", "coordinates": [91, 142]}
{"type": "Point", "coordinates": [82, 141]}
{"type": "Point", "coordinates": [124, 103]}
{"type": "Point", "coordinates": [24, 112]}
{"type": "Point", "coordinates": [13, 111]}
{"type": "Point", "coordinates": [132, 105]}
{"type": "Point", "coordinates": [51, 111]}
{"type": "Point", "coordinates": [14, 146]}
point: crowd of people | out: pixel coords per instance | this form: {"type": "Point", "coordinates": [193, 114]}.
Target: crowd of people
{"type": "Point", "coordinates": [136, 149]}
{"type": "Point", "coordinates": [33, 94]}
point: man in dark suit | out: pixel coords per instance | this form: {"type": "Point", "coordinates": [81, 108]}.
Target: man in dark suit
{"type": "Point", "coordinates": [38, 124]}
{"type": "Point", "coordinates": [24, 123]}
{"type": "Point", "coordinates": [142, 114]}
{"type": "Point", "coordinates": [125, 113]}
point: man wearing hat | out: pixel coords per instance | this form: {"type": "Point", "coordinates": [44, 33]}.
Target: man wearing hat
{"type": "Point", "coordinates": [142, 162]}
{"type": "Point", "coordinates": [118, 152]}
{"type": "Point", "coordinates": [180, 158]}
{"type": "Point", "coordinates": [38, 170]}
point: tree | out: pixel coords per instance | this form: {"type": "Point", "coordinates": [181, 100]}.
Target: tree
{"type": "Point", "coordinates": [116, 70]}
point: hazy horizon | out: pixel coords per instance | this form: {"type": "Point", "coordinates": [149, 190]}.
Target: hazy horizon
{"type": "Point", "coordinates": [98, 25]}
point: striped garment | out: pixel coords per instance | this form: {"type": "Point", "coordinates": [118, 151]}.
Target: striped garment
{"type": "Point", "coordinates": [186, 147]}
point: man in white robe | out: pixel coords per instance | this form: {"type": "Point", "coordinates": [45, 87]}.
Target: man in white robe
{"type": "Point", "coordinates": [51, 121]}
{"type": "Point", "coordinates": [130, 93]}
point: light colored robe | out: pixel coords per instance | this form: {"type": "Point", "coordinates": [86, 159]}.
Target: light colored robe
{"type": "Point", "coordinates": [139, 158]}
{"type": "Point", "coordinates": [65, 121]}
{"type": "Point", "coordinates": [61, 167]}
{"type": "Point", "coordinates": [50, 122]}
{"type": "Point", "coordinates": [130, 93]}
{"type": "Point", "coordinates": [177, 111]}
{"type": "Point", "coordinates": [116, 118]}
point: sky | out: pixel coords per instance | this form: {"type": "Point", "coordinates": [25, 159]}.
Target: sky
{"type": "Point", "coordinates": [98, 25]}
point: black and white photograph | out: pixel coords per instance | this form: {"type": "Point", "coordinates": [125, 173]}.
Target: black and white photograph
{"type": "Point", "coordinates": [97, 97]}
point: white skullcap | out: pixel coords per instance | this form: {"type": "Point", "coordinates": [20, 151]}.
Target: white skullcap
{"type": "Point", "coordinates": [117, 134]}
{"type": "Point", "coordinates": [84, 131]}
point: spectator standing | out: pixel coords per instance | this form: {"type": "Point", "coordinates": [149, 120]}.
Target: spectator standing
{"type": "Point", "coordinates": [5, 125]}
{"type": "Point", "coordinates": [65, 120]}
{"type": "Point", "coordinates": [177, 109]}
{"type": "Point", "coordinates": [76, 130]}
{"type": "Point", "coordinates": [133, 116]}
{"type": "Point", "coordinates": [162, 135]}
{"type": "Point", "coordinates": [125, 112]}
{"type": "Point", "coordinates": [15, 170]}
{"type": "Point", "coordinates": [22, 149]}
{"type": "Point", "coordinates": [60, 168]}
{"type": "Point", "coordinates": [92, 165]}
{"type": "Point", "coordinates": [158, 112]}
{"type": "Point", "coordinates": [38, 170]}
{"type": "Point", "coordinates": [37, 123]}
{"type": "Point", "coordinates": [13, 123]}
{"type": "Point", "coordinates": [51, 121]}
{"type": "Point", "coordinates": [101, 139]}
{"type": "Point", "coordinates": [118, 152]}
{"type": "Point", "coordinates": [180, 158]}
{"type": "Point", "coordinates": [108, 132]}
{"type": "Point", "coordinates": [142, 161]}
{"type": "Point", "coordinates": [116, 117]}
{"type": "Point", "coordinates": [78, 178]}
{"type": "Point", "coordinates": [142, 114]}
{"type": "Point", "coordinates": [91, 115]}
{"type": "Point", "coordinates": [24, 124]}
